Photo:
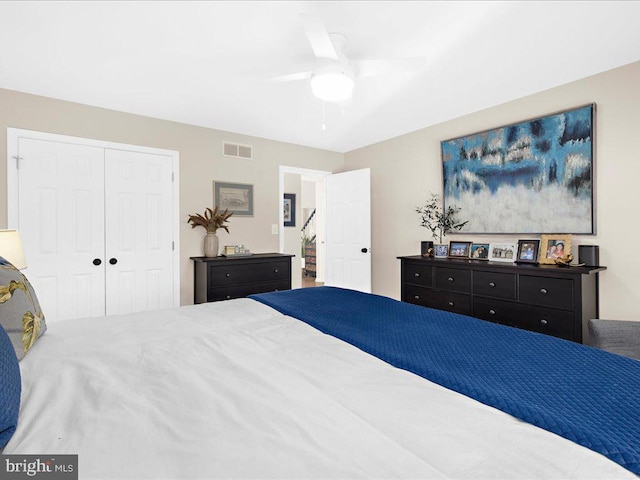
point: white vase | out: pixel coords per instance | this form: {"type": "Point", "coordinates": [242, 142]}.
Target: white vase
{"type": "Point", "coordinates": [211, 245]}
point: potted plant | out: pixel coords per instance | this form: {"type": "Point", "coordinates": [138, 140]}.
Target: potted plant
{"type": "Point", "coordinates": [211, 221]}
{"type": "Point", "coordinates": [439, 221]}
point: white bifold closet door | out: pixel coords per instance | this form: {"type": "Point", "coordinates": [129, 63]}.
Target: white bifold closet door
{"type": "Point", "coordinates": [96, 226]}
{"type": "Point", "coordinates": [139, 232]}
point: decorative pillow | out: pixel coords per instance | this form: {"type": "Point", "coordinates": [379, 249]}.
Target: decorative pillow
{"type": "Point", "coordinates": [20, 313]}
{"type": "Point", "coordinates": [9, 389]}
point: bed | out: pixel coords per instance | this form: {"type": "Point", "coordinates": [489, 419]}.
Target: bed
{"type": "Point", "coordinates": [244, 389]}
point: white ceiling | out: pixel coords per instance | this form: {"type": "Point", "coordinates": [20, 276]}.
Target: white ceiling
{"type": "Point", "coordinates": [209, 63]}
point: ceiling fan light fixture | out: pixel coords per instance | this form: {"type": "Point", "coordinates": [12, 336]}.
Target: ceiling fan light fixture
{"type": "Point", "coordinates": [332, 86]}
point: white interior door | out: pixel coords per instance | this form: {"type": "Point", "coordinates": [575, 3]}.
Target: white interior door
{"type": "Point", "coordinates": [348, 230]}
{"type": "Point", "coordinates": [139, 231]}
{"type": "Point", "coordinates": [61, 222]}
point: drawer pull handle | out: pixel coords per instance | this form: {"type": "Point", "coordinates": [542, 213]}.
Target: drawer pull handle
{"type": "Point", "coordinates": [451, 304]}
{"type": "Point", "coordinates": [543, 322]}
{"type": "Point", "coordinates": [275, 270]}
{"type": "Point", "coordinates": [417, 297]}
{"type": "Point", "coordinates": [227, 275]}
{"type": "Point", "coordinates": [228, 297]}
{"type": "Point", "coordinates": [491, 284]}
{"type": "Point", "coordinates": [492, 312]}
{"type": "Point", "coordinates": [416, 274]}
{"type": "Point", "coordinates": [544, 291]}
{"type": "Point", "coordinates": [450, 279]}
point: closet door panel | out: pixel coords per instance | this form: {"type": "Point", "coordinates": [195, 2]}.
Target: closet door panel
{"type": "Point", "coordinates": [139, 231]}
{"type": "Point", "coordinates": [61, 223]}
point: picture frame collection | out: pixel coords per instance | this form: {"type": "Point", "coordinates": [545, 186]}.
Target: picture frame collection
{"type": "Point", "coordinates": [535, 251]}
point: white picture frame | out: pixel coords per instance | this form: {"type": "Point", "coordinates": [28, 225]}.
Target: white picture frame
{"type": "Point", "coordinates": [503, 252]}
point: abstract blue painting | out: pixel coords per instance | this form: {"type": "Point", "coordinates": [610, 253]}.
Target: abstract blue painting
{"type": "Point", "coordinates": [534, 176]}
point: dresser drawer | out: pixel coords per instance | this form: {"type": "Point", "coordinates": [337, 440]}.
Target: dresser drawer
{"type": "Point", "coordinates": [221, 275]}
{"type": "Point", "coordinates": [418, 274]}
{"type": "Point", "coordinates": [417, 295]}
{"type": "Point", "coordinates": [552, 292]}
{"type": "Point", "coordinates": [559, 323]}
{"type": "Point", "coordinates": [498, 285]}
{"type": "Point", "coordinates": [498, 311]}
{"type": "Point", "coordinates": [453, 279]}
{"type": "Point", "coordinates": [449, 301]}
{"type": "Point", "coordinates": [241, 291]}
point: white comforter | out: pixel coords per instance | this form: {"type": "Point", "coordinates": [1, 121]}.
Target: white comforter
{"type": "Point", "coordinates": [235, 390]}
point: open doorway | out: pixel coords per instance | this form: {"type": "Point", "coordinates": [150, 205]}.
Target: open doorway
{"type": "Point", "coordinates": [304, 237]}
{"type": "Point", "coordinates": [310, 242]}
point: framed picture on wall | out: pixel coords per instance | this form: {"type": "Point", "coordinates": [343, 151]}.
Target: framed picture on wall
{"type": "Point", "coordinates": [235, 197]}
{"type": "Point", "coordinates": [289, 210]}
{"type": "Point", "coordinates": [513, 179]}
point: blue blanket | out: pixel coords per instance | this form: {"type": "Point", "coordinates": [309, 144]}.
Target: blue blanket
{"type": "Point", "coordinates": [586, 395]}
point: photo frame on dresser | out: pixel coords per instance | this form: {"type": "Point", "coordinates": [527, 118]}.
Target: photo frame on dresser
{"type": "Point", "coordinates": [528, 251]}
{"type": "Point", "coordinates": [480, 251]}
{"type": "Point", "coordinates": [459, 249]}
{"type": "Point", "coordinates": [503, 252]}
{"type": "Point", "coordinates": [554, 246]}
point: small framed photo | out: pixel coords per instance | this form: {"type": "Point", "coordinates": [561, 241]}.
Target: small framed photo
{"type": "Point", "coordinates": [554, 246]}
{"type": "Point", "coordinates": [235, 197]}
{"type": "Point", "coordinates": [459, 249]}
{"type": "Point", "coordinates": [502, 252]}
{"type": "Point", "coordinates": [528, 251]}
{"type": "Point", "coordinates": [289, 209]}
{"type": "Point", "coordinates": [480, 251]}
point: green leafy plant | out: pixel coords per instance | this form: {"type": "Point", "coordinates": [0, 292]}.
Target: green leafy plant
{"type": "Point", "coordinates": [307, 241]}
{"type": "Point", "coordinates": [212, 220]}
{"type": "Point", "coordinates": [440, 222]}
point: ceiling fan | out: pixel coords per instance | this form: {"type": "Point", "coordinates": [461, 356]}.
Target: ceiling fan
{"type": "Point", "coordinates": [333, 78]}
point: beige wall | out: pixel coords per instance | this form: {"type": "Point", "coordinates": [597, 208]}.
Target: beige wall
{"type": "Point", "coordinates": [403, 171]}
{"type": "Point", "coordinates": [406, 168]}
{"type": "Point", "coordinates": [201, 161]}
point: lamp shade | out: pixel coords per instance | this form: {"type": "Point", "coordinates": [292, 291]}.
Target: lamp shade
{"type": "Point", "coordinates": [11, 248]}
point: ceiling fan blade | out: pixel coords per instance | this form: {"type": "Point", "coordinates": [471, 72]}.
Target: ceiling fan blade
{"type": "Point", "coordinates": [318, 37]}
{"type": "Point", "coordinates": [291, 77]}
{"type": "Point", "coordinates": [369, 68]}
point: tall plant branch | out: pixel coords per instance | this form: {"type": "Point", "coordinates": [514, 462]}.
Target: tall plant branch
{"type": "Point", "coordinates": [437, 220]}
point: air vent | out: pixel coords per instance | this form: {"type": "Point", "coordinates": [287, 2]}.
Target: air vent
{"type": "Point", "coordinates": [236, 150]}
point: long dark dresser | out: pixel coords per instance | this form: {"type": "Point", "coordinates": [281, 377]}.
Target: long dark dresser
{"type": "Point", "coordinates": [223, 278]}
{"type": "Point", "coordinates": [548, 299]}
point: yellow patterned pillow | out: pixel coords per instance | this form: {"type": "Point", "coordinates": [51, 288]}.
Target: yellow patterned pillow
{"type": "Point", "coordinates": [20, 312]}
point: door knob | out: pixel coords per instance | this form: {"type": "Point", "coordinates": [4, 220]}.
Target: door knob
{"type": "Point", "coordinates": [97, 261]}
{"type": "Point", "coordinates": [113, 261]}
{"type": "Point", "coordinates": [364, 250]}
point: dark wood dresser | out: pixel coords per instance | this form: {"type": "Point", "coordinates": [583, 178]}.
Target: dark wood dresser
{"type": "Point", "coordinates": [548, 299]}
{"type": "Point", "coordinates": [223, 278]}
